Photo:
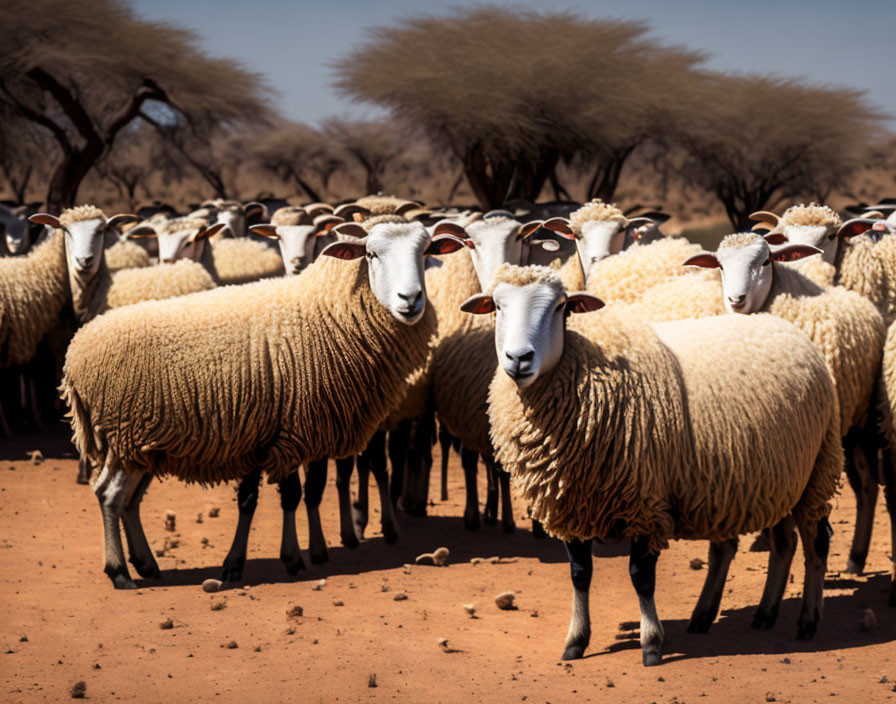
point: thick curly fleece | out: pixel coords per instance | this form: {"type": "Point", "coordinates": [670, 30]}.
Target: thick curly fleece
{"type": "Point", "coordinates": [626, 436]}
{"type": "Point", "coordinates": [241, 260]}
{"type": "Point", "coordinates": [126, 255]}
{"type": "Point", "coordinates": [888, 390]}
{"type": "Point", "coordinates": [869, 269]}
{"type": "Point", "coordinates": [33, 293]}
{"type": "Point", "coordinates": [809, 215]}
{"type": "Point", "coordinates": [595, 210]}
{"type": "Point", "coordinates": [272, 375]}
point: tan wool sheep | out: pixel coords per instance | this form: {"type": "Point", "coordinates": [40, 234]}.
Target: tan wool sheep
{"type": "Point", "coordinates": [613, 428]}
{"type": "Point", "coordinates": [258, 378]}
{"type": "Point", "coordinates": [888, 470]}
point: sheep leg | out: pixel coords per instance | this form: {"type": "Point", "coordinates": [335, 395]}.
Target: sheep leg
{"type": "Point", "coordinates": [246, 500]}
{"type": "Point", "coordinates": [470, 462]}
{"type": "Point", "coordinates": [580, 570]}
{"type": "Point", "coordinates": [538, 531]}
{"type": "Point", "coordinates": [399, 439]}
{"type": "Point", "coordinates": [860, 459]}
{"type": "Point", "coordinates": [888, 476]}
{"type": "Point", "coordinates": [361, 507]}
{"type": "Point", "coordinates": [816, 540]}
{"type": "Point", "coordinates": [113, 487]}
{"type": "Point", "coordinates": [377, 457]}
{"type": "Point", "coordinates": [344, 469]}
{"type": "Point", "coordinates": [642, 570]}
{"type": "Point", "coordinates": [490, 512]}
{"type": "Point", "coordinates": [290, 488]}
{"type": "Point", "coordinates": [83, 471]}
{"type": "Point", "coordinates": [720, 556]}
{"type": "Point", "coordinates": [419, 466]}
{"type": "Point", "coordinates": [506, 500]}
{"type": "Point", "coordinates": [445, 443]}
{"type": "Point", "coordinates": [782, 546]}
{"type": "Point", "coordinates": [315, 482]}
{"type": "Point", "coordinates": [138, 547]}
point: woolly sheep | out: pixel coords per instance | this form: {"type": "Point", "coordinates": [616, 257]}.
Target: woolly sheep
{"type": "Point", "coordinates": [300, 237]}
{"type": "Point", "coordinates": [258, 378]}
{"type": "Point", "coordinates": [233, 215]}
{"type": "Point", "coordinates": [888, 470]}
{"type": "Point", "coordinates": [614, 428]}
{"type": "Point", "coordinates": [19, 235]}
{"type": "Point", "coordinates": [126, 255]}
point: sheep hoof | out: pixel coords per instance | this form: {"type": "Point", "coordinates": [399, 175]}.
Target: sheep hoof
{"type": "Point", "coordinates": [150, 571]}
{"type": "Point", "coordinates": [390, 535]}
{"type": "Point", "coordinates": [855, 564]}
{"type": "Point", "coordinates": [699, 624]}
{"type": "Point", "coordinates": [763, 621]}
{"type": "Point", "coordinates": [538, 530]}
{"type": "Point", "coordinates": [651, 659]}
{"type": "Point", "coordinates": [293, 565]}
{"type": "Point", "coordinates": [121, 579]}
{"type": "Point", "coordinates": [573, 652]}
{"type": "Point", "coordinates": [806, 630]}
{"type": "Point", "coordinates": [232, 573]}
{"type": "Point", "coordinates": [509, 526]}
{"type": "Point", "coordinates": [349, 541]}
{"type": "Point", "coordinates": [489, 519]}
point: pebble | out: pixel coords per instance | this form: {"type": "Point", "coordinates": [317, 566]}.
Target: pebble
{"type": "Point", "coordinates": [167, 624]}
{"type": "Point", "coordinates": [214, 512]}
{"type": "Point", "coordinates": [211, 585]}
{"type": "Point", "coordinates": [470, 609]}
{"type": "Point", "coordinates": [697, 564]}
{"type": "Point", "coordinates": [505, 601]}
{"type": "Point", "coordinates": [170, 520]}
{"type": "Point", "coordinates": [400, 597]}
{"type": "Point", "coordinates": [869, 621]}
{"type": "Point", "coordinates": [296, 612]}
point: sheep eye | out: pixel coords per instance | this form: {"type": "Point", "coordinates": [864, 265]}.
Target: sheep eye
{"type": "Point", "coordinates": [766, 262]}
{"type": "Point", "coordinates": [371, 255]}
{"type": "Point", "coordinates": [832, 235]}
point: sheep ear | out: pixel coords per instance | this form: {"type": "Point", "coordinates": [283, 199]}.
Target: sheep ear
{"type": "Point", "coordinates": [45, 219]}
{"type": "Point", "coordinates": [255, 207]}
{"type": "Point", "coordinates": [793, 252]}
{"type": "Point", "coordinates": [478, 304]}
{"type": "Point", "coordinates": [527, 229]}
{"type": "Point", "coordinates": [450, 228]}
{"type": "Point", "coordinates": [405, 207]}
{"type": "Point", "coordinates": [352, 229]}
{"type": "Point", "coordinates": [265, 231]}
{"type": "Point", "coordinates": [444, 244]}
{"type": "Point", "coordinates": [349, 210]}
{"type": "Point", "coordinates": [775, 238]}
{"type": "Point", "coordinates": [765, 216]}
{"type": "Point", "coordinates": [559, 225]}
{"type": "Point", "coordinates": [854, 227]}
{"type": "Point", "coordinates": [326, 222]}
{"type": "Point", "coordinates": [707, 260]}
{"type": "Point", "coordinates": [581, 302]}
{"type": "Point", "coordinates": [117, 220]}
{"type": "Point", "coordinates": [656, 216]}
{"type": "Point", "coordinates": [142, 231]}
{"type": "Point", "coordinates": [315, 209]}
{"type": "Point", "coordinates": [209, 231]}
{"type": "Point", "coordinates": [345, 250]}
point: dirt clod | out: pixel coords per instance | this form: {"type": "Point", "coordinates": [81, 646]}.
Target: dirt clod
{"type": "Point", "coordinates": [170, 521]}
{"type": "Point", "coordinates": [697, 564]}
{"type": "Point", "coordinates": [36, 456]}
{"type": "Point", "coordinates": [295, 612]}
{"type": "Point", "coordinates": [470, 610]}
{"type": "Point", "coordinates": [218, 605]}
{"type": "Point", "coordinates": [400, 597]}
{"type": "Point", "coordinates": [78, 690]}
{"type": "Point", "coordinates": [214, 512]}
{"type": "Point", "coordinates": [371, 680]}
{"type": "Point", "coordinates": [232, 645]}
{"type": "Point", "coordinates": [506, 601]}
{"type": "Point", "coordinates": [167, 624]}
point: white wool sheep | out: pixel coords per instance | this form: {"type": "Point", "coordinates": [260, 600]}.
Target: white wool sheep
{"type": "Point", "coordinates": [232, 214]}
{"type": "Point", "coordinates": [613, 428]}
{"type": "Point", "coordinates": [888, 468]}
{"type": "Point", "coordinates": [124, 254]}
{"type": "Point", "coordinates": [300, 236]}
{"type": "Point", "coordinates": [258, 378]}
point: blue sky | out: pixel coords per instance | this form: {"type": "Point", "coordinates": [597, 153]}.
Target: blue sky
{"type": "Point", "coordinates": [826, 41]}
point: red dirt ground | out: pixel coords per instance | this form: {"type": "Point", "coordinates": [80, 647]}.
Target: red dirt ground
{"type": "Point", "coordinates": [63, 622]}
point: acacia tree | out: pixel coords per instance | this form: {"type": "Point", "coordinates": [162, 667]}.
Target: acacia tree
{"type": "Point", "coordinates": [374, 145]}
{"type": "Point", "coordinates": [84, 71]}
{"type": "Point", "coordinates": [755, 141]}
{"type": "Point", "coordinates": [23, 145]}
{"type": "Point", "coordinates": [510, 92]}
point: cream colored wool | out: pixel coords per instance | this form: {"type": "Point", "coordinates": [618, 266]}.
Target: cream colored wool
{"type": "Point", "coordinates": [377, 219]}
{"type": "Point", "coordinates": [79, 214]}
{"type": "Point", "coordinates": [241, 260]}
{"type": "Point", "coordinates": [869, 269]}
{"type": "Point", "coordinates": [628, 435]}
{"type": "Point", "coordinates": [815, 269]}
{"type": "Point", "coordinates": [381, 205]}
{"type": "Point", "coordinates": [888, 391]}
{"type": "Point", "coordinates": [273, 374]}
{"type": "Point", "coordinates": [126, 255]}
{"type": "Point", "coordinates": [33, 294]}
{"type": "Point", "coordinates": [291, 215]}
{"type": "Point", "coordinates": [595, 210]}
{"type": "Point", "coordinates": [627, 275]}
{"type": "Point", "coordinates": [130, 286]}
{"type": "Point", "coordinates": [812, 215]}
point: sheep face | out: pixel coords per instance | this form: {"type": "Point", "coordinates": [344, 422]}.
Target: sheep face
{"type": "Point", "coordinates": [234, 221]}
{"type": "Point", "coordinates": [180, 243]}
{"type": "Point", "coordinates": [825, 238]}
{"type": "Point", "coordinates": [394, 253]}
{"type": "Point", "coordinates": [495, 241]}
{"type": "Point", "coordinates": [297, 245]}
{"type": "Point", "coordinates": [599, 239]}
{"type": "Point", "coordinates": [15, 230]}
{"type": "Point", "coordinates": [530, 323]}
{"type": "Point", "coordinates": [84, 242]}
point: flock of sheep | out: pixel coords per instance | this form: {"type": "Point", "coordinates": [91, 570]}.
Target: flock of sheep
{"type": "Point", "coordinates": [627, 383]}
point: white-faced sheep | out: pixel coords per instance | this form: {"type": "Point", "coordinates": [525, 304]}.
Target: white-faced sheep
{"type": "Point", "coordinates": [300, 236]}
{"type": "Point", "coordinates": [235, 216]}
{"type": "Point", "coordinates": [888, 411]}
{"type": "Point", "coordinates": [258, 378]}
{"type": "Point", "coordinates": [847, 329]}
{"type": "Point", "coordinates": [614, 428]}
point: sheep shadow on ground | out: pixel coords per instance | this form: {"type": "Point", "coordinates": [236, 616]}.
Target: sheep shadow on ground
{"type": "Point", "coordinates": [731, 634]}
{"type": "Point", "coordinates": [418, 535]}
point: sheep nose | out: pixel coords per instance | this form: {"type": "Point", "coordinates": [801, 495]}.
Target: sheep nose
{"type": "Point", "coordinates": [521, 356]}
{"type": "Point", "coordinates": [84, 262]}
{"type": "Point", "coordinates": [167, 260]}
{"type": "Point", "coordinates": [412, 298]}
{"type": "Point", "coordinates": [737, 301]}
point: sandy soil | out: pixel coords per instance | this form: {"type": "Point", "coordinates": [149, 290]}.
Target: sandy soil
{"type": "Point", "coordinates": [62, 622]}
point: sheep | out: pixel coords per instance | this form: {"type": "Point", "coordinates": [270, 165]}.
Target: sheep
{"type": "Point", "coordinates": [888, 471]}
{"type": "Point", "coordinates": [614, 428]}
{"type": "Point", "coordinates": [847, 329]}
{"type": "Point", "coordinates": [19, 235]}
{"type": "Point", "coordinates": [244, 380]}
{"type": "Point", "coordinates": [125, 254]}
{"type": "Point", "coordinates": [300, 236]}
{"type": "Point", "coordinates": [232, 214]}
